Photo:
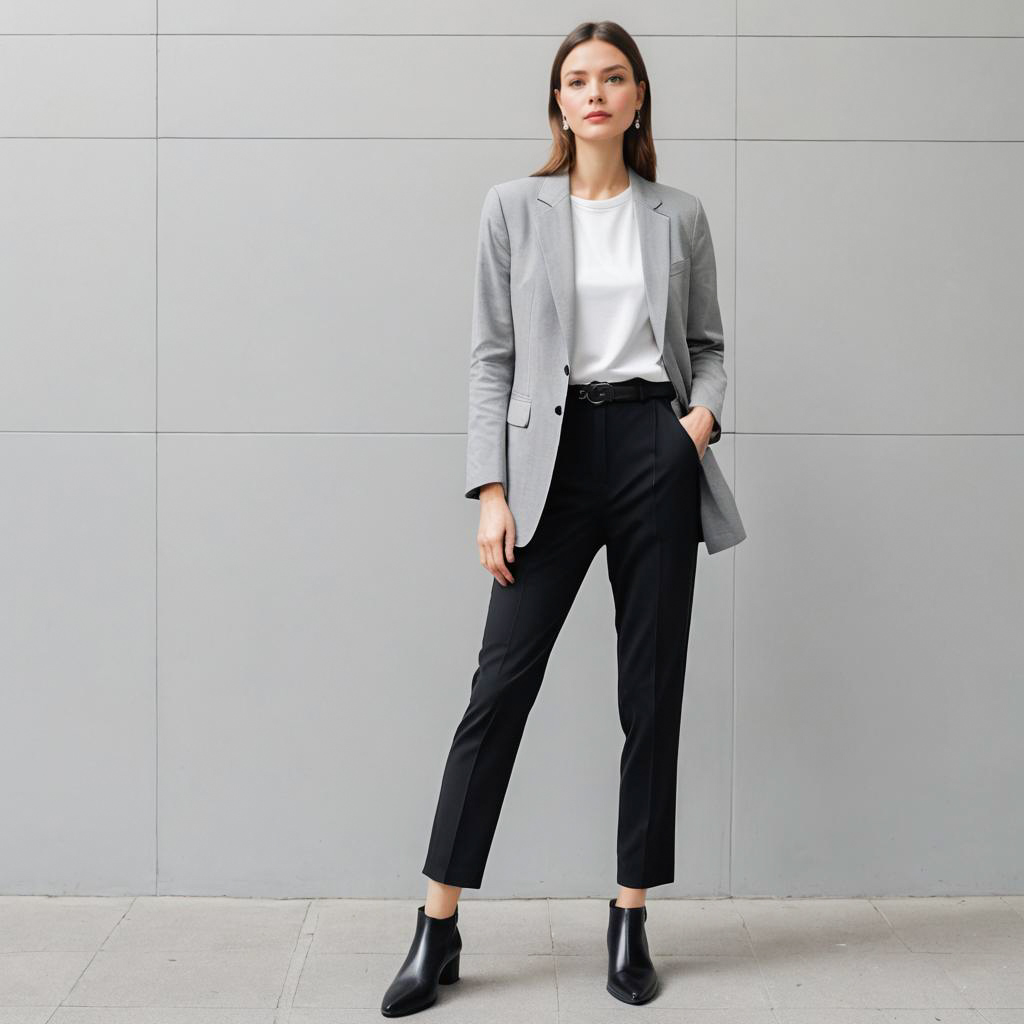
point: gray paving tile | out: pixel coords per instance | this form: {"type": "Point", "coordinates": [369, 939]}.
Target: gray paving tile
{"type": "Point", "coordinates": [212, 978]}
{"type": "Point", "coordinates": [778, 928]}
{"type": "Point", "coordinates": [182, 923]}
{"type": "Point", "coordinates": [502, 987]}
{"type": "Point", "coordinates": [58, 923]}
{"type": "Point", "coordinates": [953, 924]}
{"type": "Point", "coordinates": [687, 982]}
{"type": "Point", "coordinates": [857, 979]}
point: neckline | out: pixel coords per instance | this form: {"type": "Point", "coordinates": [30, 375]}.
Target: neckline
{"type": "Point", "coordinates": [602, 204]}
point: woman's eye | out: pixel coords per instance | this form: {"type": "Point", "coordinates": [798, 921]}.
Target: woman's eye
{"type": "Point", "coordinates": [620, 77]}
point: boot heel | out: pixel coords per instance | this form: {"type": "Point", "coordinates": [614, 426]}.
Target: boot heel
{"type": "Point", "coordinates": [450, 972]}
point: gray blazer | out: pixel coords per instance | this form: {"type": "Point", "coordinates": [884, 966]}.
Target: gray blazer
{"type": "Point", "coordinates": [523, 312]}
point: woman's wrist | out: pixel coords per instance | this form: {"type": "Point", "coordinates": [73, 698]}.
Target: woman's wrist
{"type": "Point", "coordinates": [492, 490]}
{"type": "Point", "coordinates": [705, 419]}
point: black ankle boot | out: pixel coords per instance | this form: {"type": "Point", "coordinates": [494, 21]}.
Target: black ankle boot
{"type": "Point", "coordinates": [631, 975]}
{"type": "Point", "coordinates": [432, 959]}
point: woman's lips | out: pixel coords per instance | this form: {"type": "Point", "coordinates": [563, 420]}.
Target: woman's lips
{"type": "Point", "coordinates": [596, 117]}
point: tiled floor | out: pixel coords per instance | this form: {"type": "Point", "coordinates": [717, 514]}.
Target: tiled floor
{"type": "Point", "coordinates": [198, 960]}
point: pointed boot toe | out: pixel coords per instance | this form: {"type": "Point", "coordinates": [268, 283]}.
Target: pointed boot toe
{"type": "Point", "coordinates": [631, 974]}
{"type": "Point", "coordinates": [432, 960]}
{"type": "Point", "coordinates": [633, 987]}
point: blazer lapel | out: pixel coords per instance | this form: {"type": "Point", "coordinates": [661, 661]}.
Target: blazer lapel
{"type": "Point", "coordinates": [556, 242]}
{"type": "Point", "coordinates": [654, 252]}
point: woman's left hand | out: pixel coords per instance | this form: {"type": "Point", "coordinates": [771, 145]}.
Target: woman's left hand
{"type": "Point", "coordinates": [699, 423]}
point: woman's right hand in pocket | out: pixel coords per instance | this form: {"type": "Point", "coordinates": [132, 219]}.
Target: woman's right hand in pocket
{"type": "Point", "coordinates": [496, 536]}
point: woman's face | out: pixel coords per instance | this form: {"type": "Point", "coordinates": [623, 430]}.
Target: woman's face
{"type": "Point", "coordinates": [597, 79]}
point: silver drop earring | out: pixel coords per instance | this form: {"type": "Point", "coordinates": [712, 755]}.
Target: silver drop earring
{"type": "Point", "coordinates": [565, 124]}
{"type": "Point", "coordinates": [636, 123]}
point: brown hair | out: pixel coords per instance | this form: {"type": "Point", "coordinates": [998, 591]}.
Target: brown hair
{"type": "Point", "coordinates": [637, 143]}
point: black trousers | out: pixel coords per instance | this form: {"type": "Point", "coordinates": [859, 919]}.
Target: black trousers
{"type": "Point", "coordinates": [626, 475]}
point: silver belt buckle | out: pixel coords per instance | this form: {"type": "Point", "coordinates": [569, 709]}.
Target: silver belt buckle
{"type": "Point", "coordinates": [599, 387]}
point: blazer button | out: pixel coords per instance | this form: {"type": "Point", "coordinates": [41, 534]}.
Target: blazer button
{"type": "Point", "coordinates": [558, 410]}
{"type": "Point", "coordinates": [566, 368]}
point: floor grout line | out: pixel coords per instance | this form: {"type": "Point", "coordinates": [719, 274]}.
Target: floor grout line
{"type": "Point", "coordinates": [297, 963]}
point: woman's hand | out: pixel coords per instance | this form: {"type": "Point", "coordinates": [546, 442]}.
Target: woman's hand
{"type": "Point", "coordinates": [497, 533]}
{"type": "Point", "coordinates": [699, 423]}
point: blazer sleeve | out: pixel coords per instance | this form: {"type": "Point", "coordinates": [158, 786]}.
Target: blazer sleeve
{"type": "Point", "coordinates": [492, 352]}
{"type": "Point", "coordinates": [704, 335]}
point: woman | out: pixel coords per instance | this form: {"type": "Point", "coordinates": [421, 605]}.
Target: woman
{"type": "Point", "coordinates": [595, 318]}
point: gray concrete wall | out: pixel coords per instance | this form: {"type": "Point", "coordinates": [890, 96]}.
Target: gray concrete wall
{"type": "Point", "coordinates": [241, 600]}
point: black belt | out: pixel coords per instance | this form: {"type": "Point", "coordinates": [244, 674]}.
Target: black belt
{"type": "Point", "coordinates": [599, 391]}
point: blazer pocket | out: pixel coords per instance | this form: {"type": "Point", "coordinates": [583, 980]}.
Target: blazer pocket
{"type": "Point", "coordinates": [518, 411]}
{"type": "Point", "coordinates": [678, 266]}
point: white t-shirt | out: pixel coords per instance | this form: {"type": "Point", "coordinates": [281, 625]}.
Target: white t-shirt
{"type": "Point", "coordinates": [614, 339]}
